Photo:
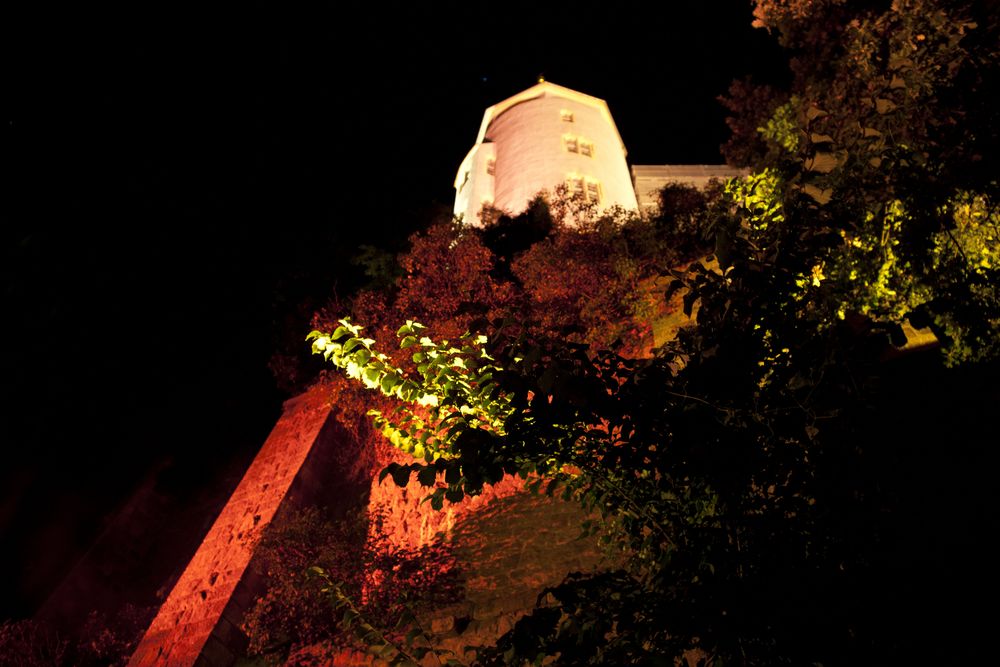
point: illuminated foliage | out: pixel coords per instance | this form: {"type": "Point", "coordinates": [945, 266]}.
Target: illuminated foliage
{"type": "Point", "coordinates": [751, 107]}
{"type": "Point", "coordinates": [766, 473]}
{"type": "Point", "coordinates": [454, 395]}
{"type": "Point", "coordinates": [781, 129]}
{"type": "Point", "coordinates": [889, 133]}
{"type": "Point", "coordinates": [590, 281]}
{"type": "Point", "coordinates": [451, 278]}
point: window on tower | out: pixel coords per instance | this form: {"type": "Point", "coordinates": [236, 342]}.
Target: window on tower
{"type": "Point", "coordinates": [576, 144]}
{"type": "Point", "coordinates": [574, 185]}
{"type": "Point", "coordinates": [491, 166]}
{"type": "Point", "coordinates": [585, 188]}
{"type": "Point", "coordinates": [593, 191]}
{"type": "Point", "coordinates": [566, 115]}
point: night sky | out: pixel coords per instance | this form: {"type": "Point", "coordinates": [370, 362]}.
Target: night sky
{"type": "Point", "coordinates": [182, 188]}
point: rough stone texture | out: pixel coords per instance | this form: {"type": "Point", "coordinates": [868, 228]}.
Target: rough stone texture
{"type": "Point", "coordinates": [510, 550]}
{"type": "Point", "coordinates": [149, 538]}
{"type": "Point", "coordinates": [510, 543]}
{"type": "Point", "coordinates": [408, 521]}
{"type": "Point", "coordinates": [306, 458]}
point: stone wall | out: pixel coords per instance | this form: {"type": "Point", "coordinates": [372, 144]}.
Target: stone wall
{"type": "Point", "coordinates": [306, 459]}
{"type": "Point", "coordinates": [510, 544]}
{"type": "Point", "coordinates": [509, 551]}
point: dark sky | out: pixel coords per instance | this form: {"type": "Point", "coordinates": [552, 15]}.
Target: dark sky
{"type": "Point", "coordinates": [182, 186]}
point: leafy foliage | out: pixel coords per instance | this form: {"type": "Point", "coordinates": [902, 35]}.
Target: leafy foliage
{"type": "Point", "coordinates": [593, 280]}
{"type": "Point", "coordinates": [388, 582]}
{"type": "Point", "coordinates": [751, 106]}
{"type": "Point", "coordinates": [895, 139]}
{"type": "Point", "coordinates": [678, 226]}
{"type": "Point", "coordinates": [604, 262]}
{"type": "Point", "coordinates": [101, 640]}
{"type": "Point", "coordinates": [28, 643]}
{"type": "Point", "coordinates": [764, 474]}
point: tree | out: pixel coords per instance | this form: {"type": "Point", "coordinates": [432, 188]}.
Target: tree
{"type": "Point", "coordinates": [751, 106]}
{"type": "Point", "coordinates": [292, 620]}
{"type": "Point", "coordinates": [891, 135]}
{"type": "Point", "coordinates": [768, 470]}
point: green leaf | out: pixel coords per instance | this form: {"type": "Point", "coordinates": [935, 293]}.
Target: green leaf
{"type": "Point", "coordinates": [371, 377]}
{"type": "Point", "coordinates": [351, 344]}
{"type": "Point", "coordinates": [688, 301]}
{"type": "Point", "coordinates": [452, 474]}
{"type": "Point", "coordinates": [437, 501]}
{"type": "Point", "coordinates": [814, 112]}
{"type": "Point", "coordinates": [389, 382]}
{"type": "Point", "coordinates": [823, 162]}
{"type": "Point", "coordinates": [884, 106]}
{"type": "Point", "coordinates": [821, 196]}
{"type": "Point", "coordinates": [401, 475]}
{"type": "Point", "coordinates": [427, 476]}
{"type": "Point", "coordinates": [386, 651]}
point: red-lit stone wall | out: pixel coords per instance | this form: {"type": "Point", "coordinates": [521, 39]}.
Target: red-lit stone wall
{"type": "Point", "coordinates": [199, 621]}
{"type": "Point", "coordinates": [409, 522]}
{"type": "Point", "coordinates": [508, 552]}
{"type": "Point", "coordinates": [509, 543]}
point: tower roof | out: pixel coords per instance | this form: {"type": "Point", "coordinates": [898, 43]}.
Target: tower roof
{"type": "Point", "coordinates": [542, 89]}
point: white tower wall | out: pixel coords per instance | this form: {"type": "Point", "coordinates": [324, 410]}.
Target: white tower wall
{"type": "Point", "coordinates": [537, 140]}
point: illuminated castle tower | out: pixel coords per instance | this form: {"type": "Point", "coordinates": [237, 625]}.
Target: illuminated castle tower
{"type": "Point", "coordinates": [541, 138]}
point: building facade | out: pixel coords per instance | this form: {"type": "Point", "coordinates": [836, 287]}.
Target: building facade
{"type": "Point", "coordinates": [539, 139]}
{"type": "Point", "coordinates": [649, 179]}
{"type": "Point", "coordinates": [549, 136]}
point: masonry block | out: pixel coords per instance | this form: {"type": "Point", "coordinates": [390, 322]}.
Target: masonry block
{"type": "Point", "coordinates": [307, 458]}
